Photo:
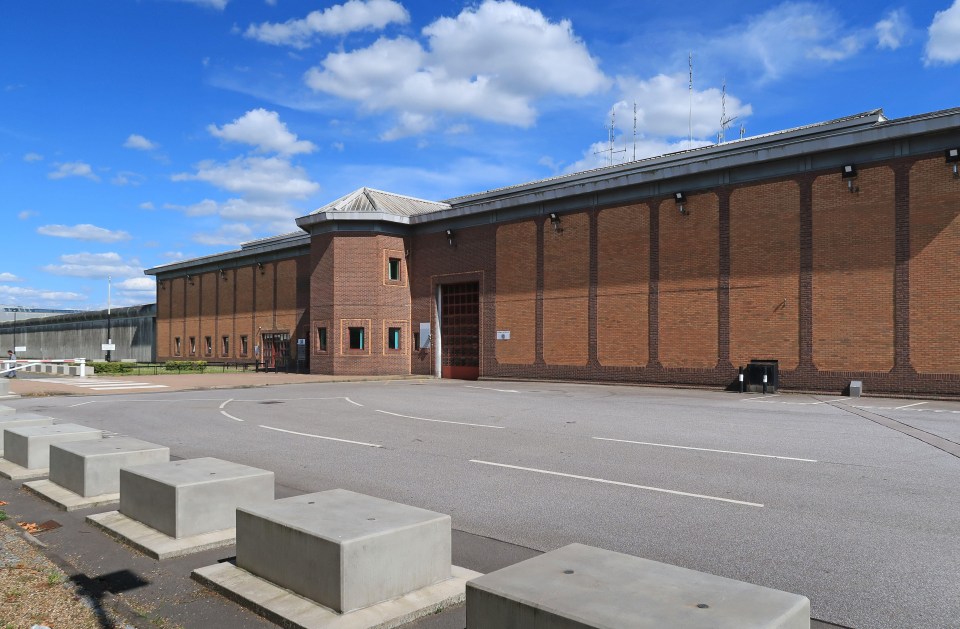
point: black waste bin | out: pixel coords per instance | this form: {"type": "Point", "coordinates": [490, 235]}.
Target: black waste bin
{"type": "Point", "coordinates": [762, 376]}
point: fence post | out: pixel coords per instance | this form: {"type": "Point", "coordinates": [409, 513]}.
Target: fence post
{"type": "Point", "coordinates": [83, 366]}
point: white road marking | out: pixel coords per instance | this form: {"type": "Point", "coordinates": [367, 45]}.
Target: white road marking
{"type": "Point", "coordinates": [225, 403]}
{"type": "Point", "coordinates": [81, 404]}
{"type": "Point", "coordinates": [909, 405]}
{"type": "Point", "coordinates": [761, 399]}
{"type": "Point", "coordinates": [352, 402]}
{"type": "Point", "coordinates": [132, 385]}
{"type": "Point", "coordinates": [304, 434]}
{"type": "Point", "coordinates": [226, 414]}
{"type": "Point", "coordinates": [620, 483]}
{"type": "Point", "coordinates": [440, 421]}
{"type": "Point", "coordinates": [664, 445]}
{"type": "Point", "coordinates": [98, 384]}
{"type": "Point", "coordinates": [468, 386]}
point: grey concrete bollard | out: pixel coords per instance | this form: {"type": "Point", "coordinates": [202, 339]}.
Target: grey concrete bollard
{"type": "Point", "coordinates": [21, 419]}
{"type": "Point", "coordinates": [590, 588]}
{"type": "Point", "coordinates": [29, 446]}
{"type": "Point", "coordinates": [92, 468]}
{"type": "Point", "coordinates": [856, 388]}
{"type": "Point", "coordinates": [191, 497]}
{"type": "Point", "coordinates": [342, 549]}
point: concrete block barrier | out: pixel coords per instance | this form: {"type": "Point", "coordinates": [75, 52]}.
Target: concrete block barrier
{"type": "Point", "coordinates": [92, 468]}
{"type": "Point", "coordinates": [342, 549]}
{"type": "Point", "coordinates": [191, 497]}
{"type": "Point", "coordinates": [29, 446]}
{"type": "Point", "coordinates": [17, 420]}
{"type": "Point", "coordinates": [583, 587]}
{"type": "Point", "coordinates": [6, 410]}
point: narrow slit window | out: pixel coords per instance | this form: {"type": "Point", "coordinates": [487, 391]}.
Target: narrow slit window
{"type": "Point", "coordinates": [356, 338]}
{"type": "Point", "coordinates": [322, 339]}
{"type": "Point", "coordinates": [193, 346]}
{"type": "Point", "coordinates": [416, 340]}
{"type": "Point", "coordinates": [393, 338]}
{"type": "Point", "coordinates": [176, 346]}
{"type": "Point", "coordinates": [226, 345]}
{"type": "Point", "coordinates": [393, 270]}
{"type": "Point", "coordinates": [208, 344]}
{"type": "Point", "coordinates": [243, 345]}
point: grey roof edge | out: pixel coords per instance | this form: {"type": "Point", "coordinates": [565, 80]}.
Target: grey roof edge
{"type": "Point", "coordinates": [251, 249]}
{"type": "Point", "coordinates": [305, 222]}
{"type": "Point", "coordinates": [371, 194]}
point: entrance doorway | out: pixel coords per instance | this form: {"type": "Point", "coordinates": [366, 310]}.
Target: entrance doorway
{"type": "Point", "coordinates": [276, 352]}
{"type": "Point", "coordinates": [460, 330]}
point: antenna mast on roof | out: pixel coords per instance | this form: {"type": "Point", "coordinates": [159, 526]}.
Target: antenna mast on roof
{"type": "Point", "coordinates": [724, 121]}
{"type": "Point", "coordinates": [634, 130]}
{"type": "Point", "coordinates": [690, 92]}
{"type": "Point", "coordinates": [611, 134]}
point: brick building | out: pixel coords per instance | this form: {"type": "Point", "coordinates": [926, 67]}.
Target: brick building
{"type": "Point", "coordinates": [831, 248]}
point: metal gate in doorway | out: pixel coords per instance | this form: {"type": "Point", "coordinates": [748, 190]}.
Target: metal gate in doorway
{"type": "Point", "coordinates": [460, 330]}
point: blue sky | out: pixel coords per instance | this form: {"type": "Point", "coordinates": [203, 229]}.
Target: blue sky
{"type": "Point", "coordinates": [136, 133]}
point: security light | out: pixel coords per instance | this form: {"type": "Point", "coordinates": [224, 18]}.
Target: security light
{"type": "Point", "coordinates": [450, 237]}
{"type": "Point", "coordinates": [680, 199]}
{"type": "Point", "coordinates": [555, 221]}
{"type": "Point", "coordinates": [849, 172]}
{"type": "Point", "coordinates": [953, 157]}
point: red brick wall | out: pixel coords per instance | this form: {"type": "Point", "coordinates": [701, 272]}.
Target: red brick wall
{"type": "Point", "coordinates": [623, 281]}
{"type": "Point", "coordinates": [566, 286]}
{"type": "Point", "coordinates": [934, 268]}
{"type": "Point", "coordinates": [517, 292]}
{"type": "Point", "coordinates": [689, 267]}
{"type": "Point", "coordinates": [853, 265]}
{"type": "Point", "coordinates": [765, 273]}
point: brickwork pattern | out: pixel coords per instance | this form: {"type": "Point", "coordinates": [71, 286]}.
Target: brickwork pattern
{"type": "Point", "coordinates": [623, 259]}
{"type": "Point", "coordinates": [566, 281]}
{"type": "Point", "coordinates": [517, 293]}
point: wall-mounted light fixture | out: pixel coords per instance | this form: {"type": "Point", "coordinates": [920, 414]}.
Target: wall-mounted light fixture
{"type": "Point", "coordinates": [849, 172]}
{"type": "Point", "coordinates": [680, 199]}
{"type": "Point", "coordinates": [190, 279]}
{"type": "Point", "coordinates": [555, 221]}
{"type": "Point", "coordinates": [953, 157]}
{"type": "Point", "coordinates": [450, 237]}
{"type": "Point", "coordinates": [162, 285]}
{"type": "Point", "coordinates": [223, 274]}
{"type": "Point", "coordinates": [262, 269]}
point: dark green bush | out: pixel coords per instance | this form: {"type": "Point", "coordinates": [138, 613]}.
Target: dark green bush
{"type": "Point", "coordinates": [185, 365]}
{"type": "Point", "coordinates": [102, 367]}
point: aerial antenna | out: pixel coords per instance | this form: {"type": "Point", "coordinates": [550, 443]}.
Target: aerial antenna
{"type": "Point", "coordinates": [634, 130]}
{"type": "Point", "coordinates": [690, 91]}
{"type": "Point", "coordinates": [611, 136]}
{"type": "Point", "coordinates": [724, 121]}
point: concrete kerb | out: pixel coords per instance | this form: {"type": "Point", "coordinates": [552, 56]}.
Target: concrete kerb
{"type": "Point", "coordinates": [152, 542]}
{"type": "Point", "coordinates": [66, 500]}
{"type": "Point", "coordinates": [12, 471]}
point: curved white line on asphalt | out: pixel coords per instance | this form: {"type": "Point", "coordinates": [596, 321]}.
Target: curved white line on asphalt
{"type": "Point", "coordinates": [226, 414]}
{"type": "Point", "coordinates": [352, 402]}
{"type": "Point", "coordinates": [664, 445]}
{"type": "Point", "coordinates": [440, 421]}
{"type": "Point", "coordinates": [622, 484]}
{"type": "Point", "coordinates": [222, 406]}
{"type": "Point", "coordinates": [468, 386]}
{"type": "Point", "coordinates": [305, 434]}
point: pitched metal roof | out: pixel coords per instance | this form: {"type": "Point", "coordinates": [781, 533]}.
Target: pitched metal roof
{"type": "Point", "coordinates": [370, 200]}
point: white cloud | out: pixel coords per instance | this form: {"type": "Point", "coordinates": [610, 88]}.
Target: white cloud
{"type": "Point", "coordinates": [137, 284]}
{"type": "Point", "coordinates": [95, 265]}
{"type": "Point", "coordinates": [337, 146]}
{"type": "Point", "coordinates": [73, 169]}
{"type": "Point", "coordinates": [490, 62]}
{"type": "Point", "coordinates": [32, 157]}
{"type": "Point", "coordinates": [147, 205]}
{"type": "Point", "coordinates": [139, 143]}
{"type": "Point", "coordinates": [229, 235]}
{"type": "Point", "coordinates": [943, 44]}
{"type": "Point", "coordinates": [258, 177]}
{"type": "Point", "coordinates": [207, 207]}
{"type": "Point", "coordinates": [10, 277]}
{"type": "Point", "coordinates": [174, 255]}
{"type": "Point", "coordinates": [789, 36]}
{"type": "Point", "coordinates": [262, 129]}
{"type": "Point", "coordinates": [598, 156]}
{"type": "Point", "coordinates": [219, 5]}
{"type": "Point", "coordinates": [84, 231]}
{"type": "Point", "coordinates": [892, 29]}
{"type": "Point", "coordinates": [128, 178]}
{"type": "Point", "coordinates": [37, 297]}
{"type": "Point", "coordinates": [26, 214]}
{"type": "Point", "coordinates": [340, 19]}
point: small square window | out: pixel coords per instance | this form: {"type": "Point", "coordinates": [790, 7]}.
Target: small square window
{"type": "Point", "coordinates": [193, 346]}
{"type": "Point", "coordinates": [208, 344]}
{"type": "Point", "coordinates": [393, 338]}
{"type": "Point", "coordinates": [356, 338]}
{"type": "Point", "coordinates": [176, 346]}
{"type": "Point", "coordinates": [322, 339]}
{"type": "Point", "coordinates": [243, 345]}
{"type": "Point", "coordinates": [226, 345]}
{"type": "Point", "coordinates": [393, 270]}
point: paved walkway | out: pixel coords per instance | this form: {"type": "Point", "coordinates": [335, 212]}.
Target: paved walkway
{"type": "Point", "coordinates": [112, 384]}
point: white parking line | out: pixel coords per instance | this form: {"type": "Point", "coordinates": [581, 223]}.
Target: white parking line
{"type": "Point", "coordinates": [226, 414]}
{"type": "Point", "coordinates": [664, 445]}
{"type": "Point", "coordinates": [352, 402]}
{"type": "Point", "coordinates": [81, 404]}
{"type": "Point", "coordinates": [131, 386]}
{"type": "Point", "coordinates": [226, 402]}
{"type": "Point", "coordinates": [761, 399]}
{"type": "Point", "coordinates": [441, 421]}
{"type": "Point", "coordinates": [909, 405]}
{"type": "Point", "coordinates": [622, 484]}
{"type": "Point", "coordinates": [467, 386]}
{"type": "Point", "coordinates": [304, 434]}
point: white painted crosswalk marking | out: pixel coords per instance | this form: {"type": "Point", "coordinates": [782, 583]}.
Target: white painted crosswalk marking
{"type": "Point", "coordinates": [98, 384]}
